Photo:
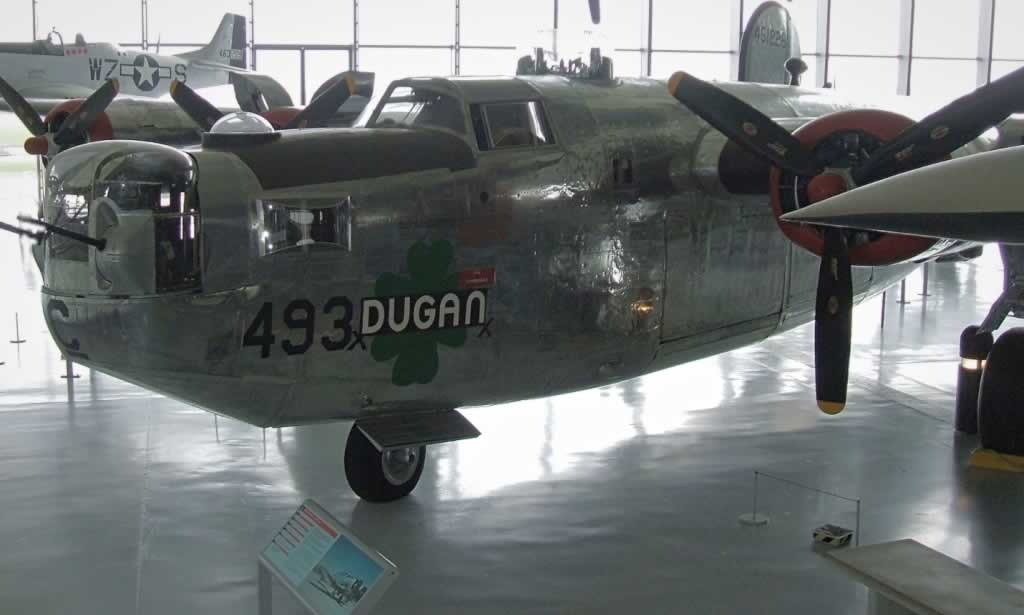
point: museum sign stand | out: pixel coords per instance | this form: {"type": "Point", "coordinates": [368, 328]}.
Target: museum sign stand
{"type": "Point", "coordinates": [329, 571]}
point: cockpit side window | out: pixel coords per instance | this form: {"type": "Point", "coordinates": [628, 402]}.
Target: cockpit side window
{"type": "Point", "coordinates": [288, 224]}
{"type": "Point", "coordinates": [416, 107]}
{"type": "Point", "coordinates": [512, 124]}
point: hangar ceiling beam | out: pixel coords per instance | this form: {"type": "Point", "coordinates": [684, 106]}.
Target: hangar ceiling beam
{"type": "Point", "coordinates": [252, 34]}
{"type": "Point", "coordinates": [906, 46]}
{"type": "Point", "coordinates": [353, 58]}
{"type": "Point", "coordinates": [822, 35]}
{"type": "Point", "coordinates": [736, 38]}
{"type": "Point", "coordinates": [457, 50]}
{"type": "Point", "coordinates": [986, 30]}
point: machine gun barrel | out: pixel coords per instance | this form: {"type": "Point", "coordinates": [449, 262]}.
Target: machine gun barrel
{"type": "Point", "coordinates": [99, 244]}
{"type": "Point", "coordinates": [21, 231]}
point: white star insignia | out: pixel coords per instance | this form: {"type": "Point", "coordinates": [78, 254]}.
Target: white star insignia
{"type": "Point", "coordinates": [146, 73]}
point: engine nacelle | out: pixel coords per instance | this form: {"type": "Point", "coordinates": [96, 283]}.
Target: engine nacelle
{"type": "Point", "coordinates": [100, 130]}
{"type": "Point", "coordinates": [126, 119]}
{"type": "Point", "coordinates": [842, 140]}
{"type": "Point", "coordinates": [281, 116]}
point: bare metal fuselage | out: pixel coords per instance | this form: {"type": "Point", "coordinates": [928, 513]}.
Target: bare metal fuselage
{"type": "Point", "coordinates": [598, 274]}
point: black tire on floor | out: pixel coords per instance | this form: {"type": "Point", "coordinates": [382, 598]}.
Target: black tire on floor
{"type": "Point", "coordinates": [1000, 410]}
{"type": "Point", "coordinates": [364, 469]}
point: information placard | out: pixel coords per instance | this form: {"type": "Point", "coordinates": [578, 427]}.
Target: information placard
{"type": "Point", "coordinates": [327, 568]}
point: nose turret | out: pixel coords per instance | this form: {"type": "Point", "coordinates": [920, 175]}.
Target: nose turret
{"type": "Point", "coordinates": [141, 200]}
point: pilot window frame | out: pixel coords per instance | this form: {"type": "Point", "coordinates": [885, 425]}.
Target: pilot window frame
{"type": "Point", "coordinates": [463, 130]}
{"type": "Point", "coordinates": [339, 223]}
{"type": "Point", "coordinates": [541, 133]}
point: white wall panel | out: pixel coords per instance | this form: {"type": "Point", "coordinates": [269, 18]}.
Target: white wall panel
{"type": "Point", "coordinates": [703, 65]}
{"type": "Point", "coordinates": [942, 79]}
{"type": "Point", "coordinates": [866, 26]}
{"type": "Point", "coordinates": [524, 23]}
{"type": "Point", "coordinates": [693, 24]}
{"type": "Point", "coordinates": [864, 77]}
{"type": "Point", "coordinates": [17, 22]}
{"type": "Point", "coordinates": [187, 21]}
{"type": "Point", "coordinates": [308, 21]}
{"type": "Point", "coordinates": [400, 21]}
{"type": "Point", "coordinates": [116, 21]}
{"type": "Point", "coordinates": [1007, 41]}
{"type": "Point", "coordinates": [946, 28]}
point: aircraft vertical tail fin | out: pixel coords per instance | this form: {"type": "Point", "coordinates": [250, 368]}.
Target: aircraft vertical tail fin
{"type": "Point", "coordinates": [770, 41]}
{"type": "Point", "coordinates": [228, 45]}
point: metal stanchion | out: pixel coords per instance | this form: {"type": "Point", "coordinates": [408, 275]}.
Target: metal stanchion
{"type": "Point", "coordinates": [924, 285]}
{"type": "Point", "coordinates": [903, 292]}
{"type": "Point", "coordinates": [885, 293]}
{"type": "Point", "coordinates": [752, 518]}
{"type": "Point", "coordinates": [70, 376]}
{"type": "Point", "coordinates": [69, 372]}
{"type": "Point", "coordinates": [17, 331]}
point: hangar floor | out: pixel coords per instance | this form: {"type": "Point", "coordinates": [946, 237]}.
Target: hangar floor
{"type": "Point", "coordinates": [620, 499]}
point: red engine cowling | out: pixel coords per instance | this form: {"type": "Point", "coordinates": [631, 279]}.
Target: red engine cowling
{"type": "Point", "coordinates": [100, 130]}
{"type": "Point", "coordinates": [281, 116]}
{"type": "Point", "coordinates": [841, 139]}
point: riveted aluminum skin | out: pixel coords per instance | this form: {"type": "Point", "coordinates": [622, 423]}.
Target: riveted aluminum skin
{"type": "Point", "coordinates": [612, 252]}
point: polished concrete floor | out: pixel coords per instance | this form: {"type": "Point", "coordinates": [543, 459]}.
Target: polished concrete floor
{"type": "Point", "coordinates": [621, 499]}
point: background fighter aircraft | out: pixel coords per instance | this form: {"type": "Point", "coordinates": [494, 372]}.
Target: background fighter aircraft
{"type": "Point", "coordinates": [337, 102]}
{"type": "Point", "coordinates": [479, 241]}
{"type": "Point", "coordinates": [48, 71]}
{"type": "Point", "coordinates": [37, 78]}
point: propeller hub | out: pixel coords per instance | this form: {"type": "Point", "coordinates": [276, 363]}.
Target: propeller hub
{"type": "Point", "coordinates": [825, 186]}
{"type": "Point", "coordinates": [37, 146]}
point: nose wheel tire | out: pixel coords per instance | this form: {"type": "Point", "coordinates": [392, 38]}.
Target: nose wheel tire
{"type": "Point", "coordinates": [378, 476]}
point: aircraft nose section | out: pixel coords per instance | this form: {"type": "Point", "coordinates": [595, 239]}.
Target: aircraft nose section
{"type": "Point", "coordinates": [139, 200]}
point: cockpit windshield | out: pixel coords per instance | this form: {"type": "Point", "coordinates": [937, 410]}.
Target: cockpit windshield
{"type": "Point", "coordinates": [419, 107]}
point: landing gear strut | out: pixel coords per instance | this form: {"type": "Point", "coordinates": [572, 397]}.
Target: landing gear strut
{"type": "Point", "coordinates": [975, 347]}
{"type": "Point", "coordinates": [381, 476]}
{"type": "Point", "coordinates": [990, 384]}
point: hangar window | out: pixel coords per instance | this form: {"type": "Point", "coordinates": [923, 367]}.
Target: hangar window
{"type": "Point", "coordinates": [302, 223]}
{"type": "Point", "coordinates": [517, 124]}
{"type": "Point", "coordinates": [413, 107]}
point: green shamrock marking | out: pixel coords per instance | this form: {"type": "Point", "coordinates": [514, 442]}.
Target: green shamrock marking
{"type": "Point", "coordinates": [416, 352]}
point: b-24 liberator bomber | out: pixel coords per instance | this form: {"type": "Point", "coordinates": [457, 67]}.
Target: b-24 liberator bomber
{"type": "Point", "coordinates": [480, 240]}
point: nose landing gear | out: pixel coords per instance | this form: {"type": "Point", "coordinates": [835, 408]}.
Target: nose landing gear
{"type": "Point", "coordinates": [381, 476]}
{"type": "Point", "coordinates": [385, 453]}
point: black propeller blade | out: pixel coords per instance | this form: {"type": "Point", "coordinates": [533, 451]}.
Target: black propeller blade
{"type": "Point", "coordinates": [595, 11]}
{"type": "Point", "coordinates": [77, 124]}
{"type": "Point", "coordinates": [198, 108]}
{"type": "Point", "coordinates": [743, 124]}
{"type": "Point", "coordinates": [330, 96]}
{"type": "Point", "coordinates": [833, 321]}
{"type": "Point", "coordinates": [22, 109]}
{"type": "Point", "coordinates": [946, 130]}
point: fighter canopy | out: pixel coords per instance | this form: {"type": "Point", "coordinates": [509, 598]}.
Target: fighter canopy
{"type": "Point", "coordinates": [933, 138]}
